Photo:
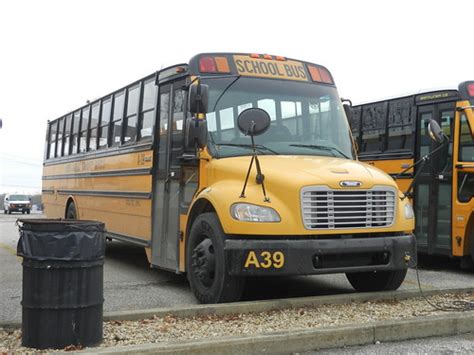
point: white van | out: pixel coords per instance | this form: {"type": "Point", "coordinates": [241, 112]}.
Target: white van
{"type": "Point", "coordinates": [17, 203]}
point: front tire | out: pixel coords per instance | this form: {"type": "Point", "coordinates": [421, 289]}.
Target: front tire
{"type": "Point", "coordinates": [377, 280]}
{"type": "Point", "coordinates": [205, 263]}
{"type": "Point", "coordinates": [71, 211]}
{"type": "Point", "coordinates": [27, 211]}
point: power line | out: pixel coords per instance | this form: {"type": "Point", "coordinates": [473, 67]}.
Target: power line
{"type": "Point", "coordinates": [22, 162]}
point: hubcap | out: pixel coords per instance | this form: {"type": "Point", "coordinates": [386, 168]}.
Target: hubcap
{"type": "Point", "coordinates": [204, 262]}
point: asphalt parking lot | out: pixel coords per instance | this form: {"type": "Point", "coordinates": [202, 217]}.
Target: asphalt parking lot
{"type": "Point", "coordinates": [130, 284]}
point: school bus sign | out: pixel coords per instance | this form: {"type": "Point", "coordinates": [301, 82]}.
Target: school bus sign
{"type": "Point", "coordinates": [264, 68]}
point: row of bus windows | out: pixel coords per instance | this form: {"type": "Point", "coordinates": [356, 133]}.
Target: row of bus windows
{"type": "Point", "coordinates": [384, 126]}
{"type": "Point", "coordinates": [126, 116]}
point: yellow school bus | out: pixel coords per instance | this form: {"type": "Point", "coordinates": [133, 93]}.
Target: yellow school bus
{"type": "Point", "coordinates": [231, 165]}
{"type": "Point", "coordinates": [392, 135]}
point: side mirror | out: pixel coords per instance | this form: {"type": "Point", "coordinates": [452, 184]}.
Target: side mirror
{"type": "Point", "coordinates": [435, 132]}
{"type": "Point", "coordinates": [198, 98]}
{"type": "Point", "coordinates": [6, 199]}
{"type": "Point", "coordinates": [196, 133]}
{"type": "Point", "coordinates": [253, 121]}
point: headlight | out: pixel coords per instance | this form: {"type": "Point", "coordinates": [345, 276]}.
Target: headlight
{"type": "Point", "coordinates": [253, 213]}
{"type": "Point", "coordinates": [409, 211]}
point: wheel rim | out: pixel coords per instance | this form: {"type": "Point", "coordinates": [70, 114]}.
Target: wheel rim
{"type": "Point", "coordinates": [204, 262]}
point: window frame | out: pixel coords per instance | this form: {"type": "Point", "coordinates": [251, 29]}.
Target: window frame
{"type": "Point", "coordinates": [121, 92]}
{"type": "Point", "coordinates": [67, 135]}
{"type": "Point", "coordinates": [84, 129]}
{"type": "Point", "coordinates": [133, 139]}
{"type": "Point", "coordinates": [142, 112]}
{"type": "Point", "coordinates": [90, 128]}
{"type": "Point", "coordinates": [101, 125]}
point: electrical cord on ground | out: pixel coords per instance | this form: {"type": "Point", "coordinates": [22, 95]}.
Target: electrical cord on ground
{"type": "Point", "coordinates": [454, 306]}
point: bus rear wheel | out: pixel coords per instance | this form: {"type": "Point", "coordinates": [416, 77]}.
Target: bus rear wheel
{"type": "Point", "coordinates": [205, 263]}
{"type": "Point", "coordinates": [71, 211]}
{"type": "Point", "coordinates": [377, 280]}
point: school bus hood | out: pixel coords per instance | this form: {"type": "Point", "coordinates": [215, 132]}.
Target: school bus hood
{"type": "Point", "coordinates": [285, 176]}
{"type": "Point", "coordinates": [300, 171]}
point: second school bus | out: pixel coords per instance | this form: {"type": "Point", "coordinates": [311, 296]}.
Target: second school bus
{"type": "Point", "coordinates": [392, 135]}
{"type": "Point", "coordinates": [306, 207]}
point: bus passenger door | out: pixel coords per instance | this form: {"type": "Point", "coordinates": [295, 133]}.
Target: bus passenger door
{"type": "Point", "coordinates": [433, 190]}
{"type": "Point", "coordinates": [463, 189]}
{"type": "Point", "coordinates": [167, 176]}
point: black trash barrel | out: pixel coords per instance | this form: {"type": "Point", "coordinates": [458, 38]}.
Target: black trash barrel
{"type": "Point", "coordinates": [62, 282]}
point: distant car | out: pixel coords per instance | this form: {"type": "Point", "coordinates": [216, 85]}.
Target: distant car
{"type": "Point", "coordinates": [17, 203]}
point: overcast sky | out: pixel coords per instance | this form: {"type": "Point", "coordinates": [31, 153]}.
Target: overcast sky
{"type": "Point", "coordinates": [55, 55]}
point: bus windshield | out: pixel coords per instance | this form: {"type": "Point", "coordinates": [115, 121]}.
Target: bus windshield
{"type": "Point", "coordinates": [306, 118]}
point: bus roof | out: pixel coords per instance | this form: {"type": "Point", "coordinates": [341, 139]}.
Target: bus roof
{"type": "Point", "coordinates": [449, 93]}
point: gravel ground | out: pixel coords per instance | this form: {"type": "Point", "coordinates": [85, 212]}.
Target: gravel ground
{"type": "Point", "coordinates": [173, 329]}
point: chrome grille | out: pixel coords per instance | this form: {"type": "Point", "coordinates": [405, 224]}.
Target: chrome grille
{"type": "Point", "coordinates": [324, 208]}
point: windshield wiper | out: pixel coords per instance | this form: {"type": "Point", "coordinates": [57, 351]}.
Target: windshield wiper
{"type": "Point", "coordinates": [322, 147]}
{"type": "Point", "coordinates": [248, 146]}
{"type": "Point", "coordinates": [225, 90]}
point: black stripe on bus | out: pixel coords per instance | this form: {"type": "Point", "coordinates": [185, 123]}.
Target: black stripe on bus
{"type": "Point", "coordinates": [385, 156]}
{"type": "Point", "coordinates": [106, 173]}
{"type": "Point", "coordinates": [403, 176]}
{"type": "Point", "coordinates": [99, 154]}
{"type": "Point", "coordinates": [106, 193]}
{"type": "Point", "coordinates": [129, 239]}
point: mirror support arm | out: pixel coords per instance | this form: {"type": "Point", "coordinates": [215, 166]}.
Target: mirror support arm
{"type": "Point", "coordinates": [423, 161]}
{"type": "Point", "coordinates": [260, 177]}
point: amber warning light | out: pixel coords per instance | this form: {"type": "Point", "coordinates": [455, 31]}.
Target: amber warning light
{"type": "Point", "coordinates": [214, 65]}
{"type": "Point", "coordinates": [470, 89]}
{"type": "Point", "coordinates": [320, 74]}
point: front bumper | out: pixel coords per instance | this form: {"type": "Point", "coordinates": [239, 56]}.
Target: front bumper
{"type": "Point", "coordinates": [259, 257]}
{"type": "Point", "coordinates": [18, 208]}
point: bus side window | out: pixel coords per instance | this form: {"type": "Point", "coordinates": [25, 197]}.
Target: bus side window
{"type": "Point", "coordinates": [355, 124]}
{"type": "Point", "coordinates": [466, 142]}
{"type": "Point", "coordinates": [373, 127]}
{"type": "Point", "coordinates": [269, 106]}
{"type": "Point", "coordinates": [105, 122]}
{"type": "Point", "coordinates": [466, 154]}
{"type": "Point", "coordinates": [133, 96]}
{"type": "Point", "coordinates": [164, 116]}
{"type": "Point", "coordinates": [75, 132]}
{"type": "Point", "coordinates": [179, 102]}
{"type": "Point", "coordinates": [226, 119]}
{"type": "Point", "coordinates": [53, 130]}
{"type": "Point", "coordinates": [446, 154]}
{"type": "Point", "coordinates": [119, 101]}
{"type": "Point", "coordinates": [59, 145]}
{"type": "Point", "coordinates": [401, 118]}
{"type": "Point", "coordinates": [290, 111]}
{"type": "Point", "coordinates": [147, 109]}
{"type": "Point", "coordinates": [94, 126]}
{"type": "Point", "coordinates": [84, 127]}
{"type": "Point", "coordinates": [67, 135]}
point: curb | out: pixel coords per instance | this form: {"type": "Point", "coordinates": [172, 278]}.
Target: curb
{"type": "Point", "coordinates": [269, 305]}
{"type": "Point", "coordinates": [306, 340]}
{"type": "Point", "coordinates": [265, 305]}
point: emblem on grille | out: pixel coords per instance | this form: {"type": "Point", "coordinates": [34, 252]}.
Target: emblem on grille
{"type": "Point", "coordinates": [350, 183]}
